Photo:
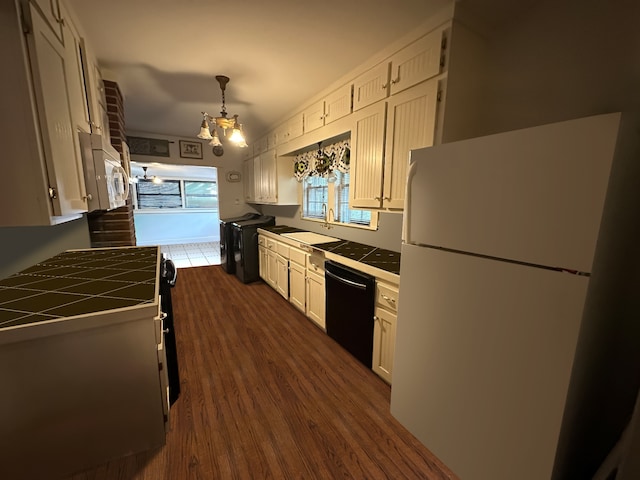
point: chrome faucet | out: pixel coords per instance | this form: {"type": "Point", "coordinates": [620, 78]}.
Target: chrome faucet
{"type": "Point", "coordinates": [324, 215]}
{"type": "Point", "coordinates": [327, 218]}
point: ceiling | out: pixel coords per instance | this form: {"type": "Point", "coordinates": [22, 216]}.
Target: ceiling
{"type": "Point", "coordinates": [164, 54]}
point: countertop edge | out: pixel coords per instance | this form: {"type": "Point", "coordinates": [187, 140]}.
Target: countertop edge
{"type": "Point", "coordinates": [380, 274]}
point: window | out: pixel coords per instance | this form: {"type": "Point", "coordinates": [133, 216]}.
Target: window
{"type": "Point", "coordinates": [318, 192]}
{"type": "Point", "coordinates": [200, 194]}
{"type": "Point", "coordinates": [187, 194]}
{"type": "Point", "coordinates": [158, 195]}
{"type": "Point", "coordinates": [315, 191]}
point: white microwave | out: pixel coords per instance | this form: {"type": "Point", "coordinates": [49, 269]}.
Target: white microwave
{"type": "Point", "coordinates": [106, 181]}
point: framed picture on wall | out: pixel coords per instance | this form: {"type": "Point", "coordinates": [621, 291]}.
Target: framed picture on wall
{"type": "Point", "coordinates": [190, 149]}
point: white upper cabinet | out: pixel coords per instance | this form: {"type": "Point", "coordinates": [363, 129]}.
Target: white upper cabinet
{"type": "Point", "coordinates": [410, 124]}
{"type": "Point", "coordinates": [313, 116]}
{"type": "Point", "coordinates": [50, 10]}
{"type": "Point", "coordinates": [75, 73]}
{"type": "Point", "coordinates": [248, 180]}
{"type": "Point", "coordinates": [333, 107]}
{"type": "Point", "coordinates": [273, 180]}
{"type": "Point", "coordinates": [95, 93]}
{"type": "Point", "coordinates": [415, 63]}
{"type": "Point", "coordinates": [45, 179]}
{"type": "Point", "coordinates": [418, 61]}
{"type": "Point", "coordinates": [372, 86]}
{"type": "Point", "coordinates": [381, 138]}
{"type": "Point", "coordinates": [367, 148]}
{"type": "Point", "coordinates": [290, 129]}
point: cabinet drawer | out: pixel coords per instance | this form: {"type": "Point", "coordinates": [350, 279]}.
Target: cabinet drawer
{"type": "Point", "coordinates": [272, 245]}
{"type": "Point", "coordinates": [282, 249]}
{"type": "Point", "coordinates": [262, 241]}
{"type": "Point", "coordinates": [298, 256]}
{"type": "Point", "coordinates": [387, 296]}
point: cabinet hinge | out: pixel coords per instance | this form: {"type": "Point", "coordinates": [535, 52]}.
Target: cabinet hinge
{"type": "Point", "coordinates": [443, 44]}
{"type": "Point", "coordinates": [53, 194]}
{"type": "Point", "coordinates": [439, 96]}
{"type": "Point", "coordinates": [442, 60]}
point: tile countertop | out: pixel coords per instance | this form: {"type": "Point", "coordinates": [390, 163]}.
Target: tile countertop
{"type": "Point", "coordinates": [381, 263]}
{"type": "Point", "coordinates": [80, 283]}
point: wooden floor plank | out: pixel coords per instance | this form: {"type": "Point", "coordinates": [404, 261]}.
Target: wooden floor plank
{"type": "Point", "coordinates": [268, 395]}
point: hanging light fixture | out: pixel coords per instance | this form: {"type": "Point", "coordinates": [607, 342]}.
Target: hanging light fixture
{"type": "Point", "coordinates": [223, 121]}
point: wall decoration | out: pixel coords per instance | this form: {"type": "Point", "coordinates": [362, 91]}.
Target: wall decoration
{"type": "Point", "coordinates": [323, 161]}
{"type": "Point", "coordinates": [154, 147]}
{"type": "Point", "coordinates": [190, 149]}
{"type": "Point", "coordinates": [233, 176]}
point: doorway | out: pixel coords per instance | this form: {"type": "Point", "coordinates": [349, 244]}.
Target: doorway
{"type": "Point", "coordinates": [177, 208]}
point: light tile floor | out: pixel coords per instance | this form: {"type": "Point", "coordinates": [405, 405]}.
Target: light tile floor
{"type": "Point", "coordinates": [193, 254]}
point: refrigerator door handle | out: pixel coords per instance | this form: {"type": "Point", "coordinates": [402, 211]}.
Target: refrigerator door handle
{"type": "Point", "coordinates": [406, 221]}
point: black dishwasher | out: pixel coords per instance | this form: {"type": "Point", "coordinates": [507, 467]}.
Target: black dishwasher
{"type": "Point", "coordinates": [350, 297]}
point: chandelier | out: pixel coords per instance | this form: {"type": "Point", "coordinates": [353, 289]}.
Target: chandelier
{"type": "Point", "coordinates": [223, 122]}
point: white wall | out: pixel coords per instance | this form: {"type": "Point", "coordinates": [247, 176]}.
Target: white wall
{"type": "Point", "coordinates": [168, 228]}
{"type": "Point", "coordinates": [387, 236]}
{"type": "Point", "coordinates": [23, 247]}
{"type": "Point", "coordinates": [230, 194]}
{"type": "Point", "coordinates": [563, 60]}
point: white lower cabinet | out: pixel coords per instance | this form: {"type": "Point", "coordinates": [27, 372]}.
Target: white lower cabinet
{"type": "Point", "coordinates": [298, 278]}
{"type": "Point", "coordinates": [315, 294]}
{"type": "Point", "coordinates": [274, 261]}
{"type": "Point", "coordinates": [384, 330]}
{"type": "Point", "coordinates": [282, 282]}
{"type": "Point", "coordinates": [263, 258]}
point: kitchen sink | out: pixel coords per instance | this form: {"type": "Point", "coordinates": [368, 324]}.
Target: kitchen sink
{"type": "Point", "coordinates": [310, 238]}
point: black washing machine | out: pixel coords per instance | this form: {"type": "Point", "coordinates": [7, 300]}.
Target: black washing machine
{"type": "Point", "coordinates": [226, 240]}
{"type": "Point", "coordinates": [245, 247]}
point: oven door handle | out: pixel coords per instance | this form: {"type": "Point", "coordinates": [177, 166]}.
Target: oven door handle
{"type": "Point", "coordinates": [345, 281]}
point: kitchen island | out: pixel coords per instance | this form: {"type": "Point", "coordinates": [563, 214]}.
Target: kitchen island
{"type": "Point", "coordinates": [82, 362]}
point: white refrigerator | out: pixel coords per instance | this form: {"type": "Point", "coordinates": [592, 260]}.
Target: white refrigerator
{"type": "Point", "coordinates": [518, 339]}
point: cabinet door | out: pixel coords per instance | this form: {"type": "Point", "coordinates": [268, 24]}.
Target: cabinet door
{"type": "Point", "coordinates": [297, 284]}
{"type": "Point", "coordinates": [269, 175]}
{"type": "Point", "coordinates": [417, 62]}
{"type": "Point", "coordinates": [272, 269]}
{"type": "Point", "coordinates": [60, 140]}
{"type": "Point", "coordinates": [263, 263]}
{"type": "Point", "coordinates": [51, 13]}
{"type": "Point", "coordinates": [316, 298]}
{"type": "Point", "coordinates": [338, 104]}
{"type": "Point", "coordinates": [367, 142]}
{"type": "Point", "coordinates": [258, 186]}
{"type": "Point", "coordinates": [371, 86]}
{"type": "Point", "coordinates": [313, 116]}
{"type": "Point", "coordinates": [410, 124]}
{"type": "Point", "coordinates": [384, 340]}
{"type": "Point", "coordinates": [75, 74]}
{"type": "Point", "coordinates": [282, 282]}
{"type": "Point", "coordinates": [295, 127]}
{"type": "Point", "coordinates": [95, 92]}
{"type": "Point", "coordinates": [248, 181]}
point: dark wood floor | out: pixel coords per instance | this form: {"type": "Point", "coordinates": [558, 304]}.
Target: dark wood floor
{"type": "Point", "coordinates": [268, 395]}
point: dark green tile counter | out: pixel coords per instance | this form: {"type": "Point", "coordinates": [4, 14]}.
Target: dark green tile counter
{"type": "Point", "coordinates": [80, 282]}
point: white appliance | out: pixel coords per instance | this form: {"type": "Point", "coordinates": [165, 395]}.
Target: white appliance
{"type": "Point", "coordinates": [518, 336]}
{"type": "Point", "coordinates": [106, 180]}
